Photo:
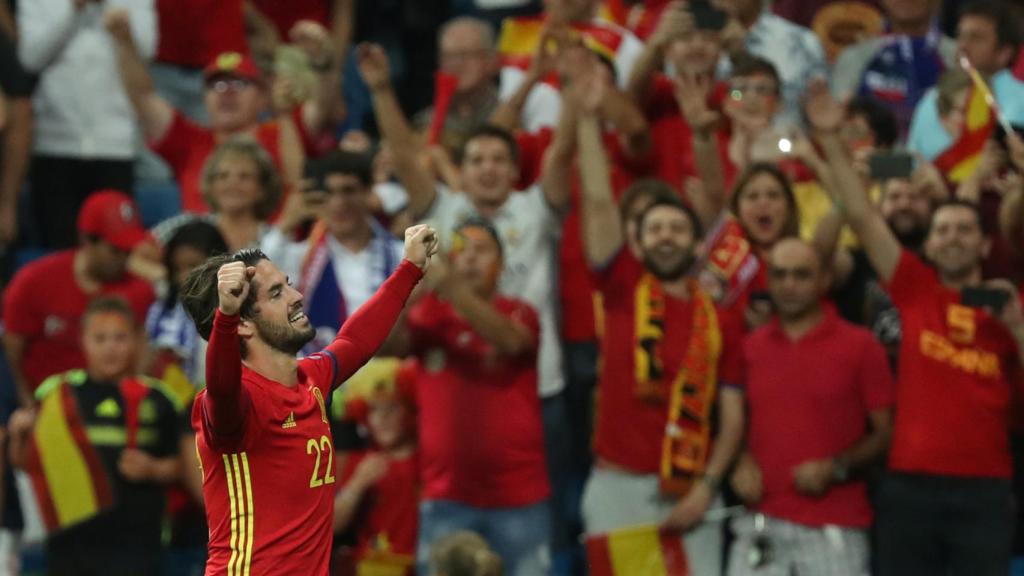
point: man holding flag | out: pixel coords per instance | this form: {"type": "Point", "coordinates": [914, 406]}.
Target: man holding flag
{"type": "Point", "coordinates": [100, 449]}
{"type": "Point", "coordinates": [987, 41]}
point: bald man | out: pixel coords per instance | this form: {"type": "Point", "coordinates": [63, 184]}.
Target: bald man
{"type": "Point", "coordinates": [819, 394]}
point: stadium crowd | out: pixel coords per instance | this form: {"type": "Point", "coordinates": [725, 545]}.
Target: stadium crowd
{"type": "Point", "coordinates": [734, 285]}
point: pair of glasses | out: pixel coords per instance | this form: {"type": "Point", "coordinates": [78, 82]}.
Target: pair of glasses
{"type": "Point", "coordinates": [228, 84]}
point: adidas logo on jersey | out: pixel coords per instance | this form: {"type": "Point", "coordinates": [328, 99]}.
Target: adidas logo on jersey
{"type": "Point", "coordinates": [289, 422]}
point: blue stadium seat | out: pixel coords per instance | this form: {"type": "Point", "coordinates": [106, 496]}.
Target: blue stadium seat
{"type": "Point", "coordinates": [157, 201]}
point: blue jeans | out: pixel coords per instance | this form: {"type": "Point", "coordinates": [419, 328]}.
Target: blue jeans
{"type": "Point", "coordinates": [520, 536]}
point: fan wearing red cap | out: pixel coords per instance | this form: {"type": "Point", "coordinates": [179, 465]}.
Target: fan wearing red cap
{"type": "Point", "coordinates": [43, 305]}
{"type": "Point", "coordinates": [236, 96]}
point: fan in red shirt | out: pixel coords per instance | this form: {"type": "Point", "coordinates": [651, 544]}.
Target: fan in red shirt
{"type": "Point", "coordinates": [45, 301]}
{"type": "Point", "coordinates": [959, 369]}
{"type": "Point", "coordinates": [379, 493]}
{"type": "Point", "coordinates": [666, 430]}
{"type": "Point", "coordinates": [236, 96]}
{"type": "Point", "coordinates": [693, 50]}
{"type": "Point", "coordinates": [262, 431]}
{"type": "Point", "coordinates": [813, 382]}
{"type": "Point", "coordinates": [481, 440]}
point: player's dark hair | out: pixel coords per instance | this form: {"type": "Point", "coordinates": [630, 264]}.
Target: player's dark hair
{"type": "Point", "coordinates": [199, 293]}
{"type": "Point", "coordinates": [109, 305]}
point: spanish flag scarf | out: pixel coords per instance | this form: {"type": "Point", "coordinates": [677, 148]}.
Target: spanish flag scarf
{"type": "Point", "coordinates": [690, 397]}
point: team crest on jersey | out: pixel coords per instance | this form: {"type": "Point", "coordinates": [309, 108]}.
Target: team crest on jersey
{"type": "Point", "coordinates": [289, 422]}
{"type": "Point", "coordinates": [109, 408]}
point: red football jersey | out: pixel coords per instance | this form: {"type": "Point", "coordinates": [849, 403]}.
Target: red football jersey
{"type": "Point", "coordinates": [270, 494]}
{"type": "Point", "coordinates": [269, 484]}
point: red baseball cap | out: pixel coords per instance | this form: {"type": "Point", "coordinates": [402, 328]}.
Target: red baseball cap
{"type": "Point", "coordinates": [233, 64]}
{"type": "Point", "coordinates": [112, 216]}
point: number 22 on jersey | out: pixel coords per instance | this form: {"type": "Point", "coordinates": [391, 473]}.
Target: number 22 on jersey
{"type": "Point", "coordinates": [316, 448]}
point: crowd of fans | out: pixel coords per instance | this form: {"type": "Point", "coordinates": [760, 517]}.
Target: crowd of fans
{"type": "Point", "coordinates": [749, 272]}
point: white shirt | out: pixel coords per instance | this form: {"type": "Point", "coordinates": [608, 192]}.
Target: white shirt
{"type": "Point", "coordinates": [359, 274]}
{"type": "Point", "coordinates": [530, 230]}
{"type": "Point", "coordinates": [81, 108]}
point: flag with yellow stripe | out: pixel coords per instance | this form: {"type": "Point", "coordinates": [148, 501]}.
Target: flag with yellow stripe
{"type": "Point", "coordinates": [67, 476]}
{"type": "Point", "coordinates": [637, 550]}
{"type": "Point", "coordinates": [236, 471]}
{"type": "Point", "coordinates": [520, 36]}
{"type": "Point", "coordinates": [980, 115]}
{"type": "Point", "coordinates": [379, 563]}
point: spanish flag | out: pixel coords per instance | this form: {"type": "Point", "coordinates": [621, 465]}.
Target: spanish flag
{"type": "Point", "coordinates": [638, 551]}
{"type": "Point", "coordinates": [980, 116]}
{"type": "Point", "coordinates": [67, 476]}
{"type": "Point", "coordinates": [520, 36]}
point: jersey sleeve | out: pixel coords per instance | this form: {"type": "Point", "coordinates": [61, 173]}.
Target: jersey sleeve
{"type": "Point", "coordinates": [226, 402]}
{"type": "Point", "coordinates": [911, 279]}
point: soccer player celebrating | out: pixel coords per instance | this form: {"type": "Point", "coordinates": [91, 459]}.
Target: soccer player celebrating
{"type": "Point", "coordinates": [262, 431]}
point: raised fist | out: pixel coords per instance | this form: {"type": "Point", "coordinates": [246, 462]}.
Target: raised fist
{"type": "Point", "coordinates": [420, 244]}
{"type": "Point", "coordinates": [233, 286]}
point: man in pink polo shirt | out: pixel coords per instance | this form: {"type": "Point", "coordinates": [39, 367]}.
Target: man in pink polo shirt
{"type": "Point", "coordinates": [819, 395]}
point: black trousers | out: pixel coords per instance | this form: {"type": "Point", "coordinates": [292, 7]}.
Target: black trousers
{"type": "Point", "coordinates": [59, 186]}
{"type": "Point", "coordinates": [944, 526]}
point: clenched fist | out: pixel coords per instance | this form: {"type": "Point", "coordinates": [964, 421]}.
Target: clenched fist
{"type": "Point", "coordinates": [420, 244]}
{"type": "Point", "coordinates": [233, 286]}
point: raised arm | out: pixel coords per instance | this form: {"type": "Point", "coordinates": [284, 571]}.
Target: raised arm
{"type": "Point", "coordinates": [675, 22]}
{"type": "Point", "coordinates": [883, 249]}
{"type": "Point", "coordinates": [366, 330]}
{"type": "Point", "coordinates": [226, 402]}
{"type": "Point", "coordinates": [509, 337]}
{"type": "Point", "coordinates": [155, 114]}
{"type": "Point", "coordinates": [602, 230]}
{"type": "Point", "coordinates": [418, 182]}
{"type": "Point", "coordinates": [326, 107]}
{"type": "Point", "coordinates": [692, 96]}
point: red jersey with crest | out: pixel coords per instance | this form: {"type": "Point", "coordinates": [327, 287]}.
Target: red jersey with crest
{"type": "Point", "coordinates": [270, 484]}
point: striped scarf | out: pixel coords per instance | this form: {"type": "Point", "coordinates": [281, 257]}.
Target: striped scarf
{"type": "Point", "coordinates": [690, 397]}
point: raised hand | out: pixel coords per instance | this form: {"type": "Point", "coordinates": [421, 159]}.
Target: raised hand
{"type": "Point", "coordinates": [233, 283]}
{"type": "Point", "coordinates": [676, 22]}
{"type": "Point", "coordinates": [373, 66]}
{"type": "Point", "coordinates": [824, 113]}
{"type": "Point", "coordinates": [314, 40]}
{"type": "Point", "coordinates": [420, 244]}
{"type": "Point", "coordinates": [691, 91]}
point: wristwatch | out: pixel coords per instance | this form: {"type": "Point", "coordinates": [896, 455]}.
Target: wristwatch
{"type": "Point", "coordinates": [840, 469]}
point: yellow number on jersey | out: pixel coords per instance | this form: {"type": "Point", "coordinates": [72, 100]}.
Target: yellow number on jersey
{"type": "Point", "coordinates": [323, 445]}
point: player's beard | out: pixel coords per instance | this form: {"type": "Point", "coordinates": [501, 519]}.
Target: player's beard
{"type": "Point", "coordinates": [284, 337]}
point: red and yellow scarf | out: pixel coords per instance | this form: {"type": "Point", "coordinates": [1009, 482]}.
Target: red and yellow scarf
{"type": "Point", "coordinates": [691, 395]}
